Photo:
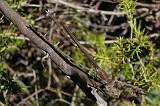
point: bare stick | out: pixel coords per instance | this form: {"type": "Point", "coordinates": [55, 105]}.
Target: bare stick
{"type": "Point", "coordinates": [67, 67]}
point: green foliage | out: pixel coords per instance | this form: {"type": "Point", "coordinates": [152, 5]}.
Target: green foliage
{"type": "Point", "coordinates": [15, 3]}
{"type": "Point", "coordinates": [128, 6]}
{"type": "Point", "coordinates": [134, 58]}
{"type": "Point", "coordinates": [78, 56]}
{"type": "Point", "coordinates": [5, 42]}
{"type": "Point", "coordinates": [154, 95]}
{"type": "Point", "coordinates": [17, 6]}
{"type": "Point", "coordinates": [8, 42]}
{"type": "Point", "coordinates": [139, 51]}
{"type": "Point", "coordinates": [7, 83]}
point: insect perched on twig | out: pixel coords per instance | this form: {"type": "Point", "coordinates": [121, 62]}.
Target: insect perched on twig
{"type": "Point", "coordinates": [89, 57]}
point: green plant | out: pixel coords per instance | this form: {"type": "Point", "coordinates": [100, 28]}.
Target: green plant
{"type": "Point", "coordinates": [8, 41]}
{"type": "Point", "coordinates": [134, 58]}
{"type": "Point", "coordinates": [128, 6]}
{"type": "Point", "coordinates": [7, 84]}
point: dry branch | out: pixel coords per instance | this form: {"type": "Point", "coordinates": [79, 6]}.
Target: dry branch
{"type": "Point", "coordinates": [112, 90]}
{"type": "Point", "coordinates": [68, 68]}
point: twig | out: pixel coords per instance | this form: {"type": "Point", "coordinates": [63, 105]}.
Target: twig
{"type": "Point", "coordinates": [55, 91]}
{"type": "Point", "coordinates": [74, 96]}
{"type": "Point", "coordinates": [107, 28]}
{"type": "Point", "coordinates": [113, 89]}
{"type": "Point", "coordinates": [36, 86]}
{"type": "Point", "coordinates": [82, 9]}
{"type": "Point", "coordinates": [77, 74]}
{"type": "Point", "coordinates": [31, 5]}
{"type": "Point", "coordinates": [1, 104]}
{"type": "Point", "coordinates": [149, 5]}
{"type": "Point", "coordinates": [49, 60]}
{"type": "Point", "coordinates": [27, 98]}
{"type": "Point", "coordinates": [61, 100]}
{"type": "Point", "coordinates": [106, 42]}
{"type": "Point", "coordinates": [49, 72]}
{"type": "Point", "coordinates": [1, 19]}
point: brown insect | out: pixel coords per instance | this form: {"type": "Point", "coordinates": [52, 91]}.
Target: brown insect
{"type": "Point", "coordinates": [67, 32]}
